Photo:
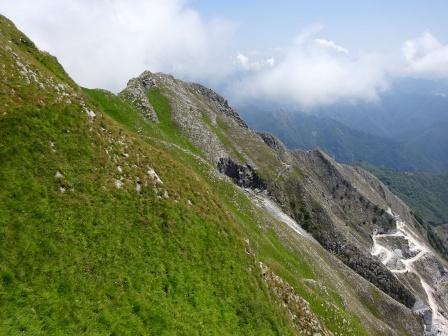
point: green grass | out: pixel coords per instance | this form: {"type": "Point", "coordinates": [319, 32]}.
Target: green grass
{"type": "Point", "coordinates": [222, 137]}
{"type": "Point", "coordinates": [97, 260]}
{"type": "Point", "coordinates": [264, 240]}
{"type": "Point", "coordinates": [125, 114]}
{"type": "Point", "coordinates": [122, 112]}
{"type": "Point", "coordinates": [289, 263]}
{"type": "Point", "coordinates": [162, 108]}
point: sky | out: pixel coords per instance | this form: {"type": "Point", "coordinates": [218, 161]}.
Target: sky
{"type": "Point", "coordinates": [309, 53]}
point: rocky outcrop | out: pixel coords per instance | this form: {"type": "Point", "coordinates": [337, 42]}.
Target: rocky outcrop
{"type": "Point", "coordinates": [272, 142]}
{"type": "Point", "coordinates": [187, 111]}
{"type": "Point", "coordinates": [242, 175]}
{"type": "Point", "coordinates": [315, 219]}
{"type": "Point", "coordinates": [221, 104]}
{"type": "Point", "coordinates": [298, 309]}
{"type": "Point", "coordinates": [352, 212]}
{"type": "Point", "coordinates": [136, 94]}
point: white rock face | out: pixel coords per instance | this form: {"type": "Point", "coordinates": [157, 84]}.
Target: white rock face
{"type": "Point", "coordinates": [416, 260]}
{"type": "Point", "coordinates": [135, 93]}
{"type": "Point", "coordinates": [118, 184]}
{"type": "Point", "coordinates": [138, 187]}
{"type": "Point", "coordinates": [152, 173]}
{"type": "Point", "coordinates": [272, 208]}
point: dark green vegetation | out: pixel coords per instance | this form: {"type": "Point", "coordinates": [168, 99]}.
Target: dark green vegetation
{"type": "Point", "coordinates": [438, 238]}
{"type": "Point", "coordinates": [425, 193]}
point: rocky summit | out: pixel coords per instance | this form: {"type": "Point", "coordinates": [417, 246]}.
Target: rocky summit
{"type": "Point", "coordinates": [158, 211]}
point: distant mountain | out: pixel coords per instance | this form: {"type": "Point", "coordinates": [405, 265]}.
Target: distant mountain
{"type": "Point", "coordinates": [432, 141]}
{"type": "Point", "coordinates": [413, 113]}
{"type": "Point", "coordinates": [307, 131]}
{"type": "Point", "coordinates": [405, 130]}
{"type": "Point", "coordinates": [409, 107]}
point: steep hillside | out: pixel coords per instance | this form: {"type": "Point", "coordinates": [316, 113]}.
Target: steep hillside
{"type": "Point", "coordinates": [104, 233]}
{"type": "Point", "coordinates": [310, 187]}
{"type": "Point", "coordinates": [158, 211]}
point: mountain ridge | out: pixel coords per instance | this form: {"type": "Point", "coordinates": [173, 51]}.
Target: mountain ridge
{"type": "Point", "coordinates": [334, 242]}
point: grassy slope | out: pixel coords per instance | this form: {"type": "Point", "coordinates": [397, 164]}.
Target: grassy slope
{"type": "Point", "coordinates": [296, 262]}
{"type": "Point", "coordinates": [101, 260]}
{"type": "Point", "coordinates": [325, 303]}
{"type": "Point", "coordinates": [426, 193]}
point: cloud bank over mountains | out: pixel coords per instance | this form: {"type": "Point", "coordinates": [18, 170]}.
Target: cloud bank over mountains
{"type": "Point", "coordinates": [426, 56]}
{"type": "Point", "coordinates": [105, 42]}
{"type": "Point", "coordinates": [315, 71]}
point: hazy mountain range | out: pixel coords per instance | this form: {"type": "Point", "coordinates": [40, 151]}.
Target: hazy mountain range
{"type": "Point", "coordinates": [404, 130]}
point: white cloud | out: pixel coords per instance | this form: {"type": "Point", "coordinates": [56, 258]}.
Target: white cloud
{"type": "Point", "coordinates": [242, 59]}
{"type": "Point", "coordinates": [270, 61]}
{"type": "Point", "coordinates": [327, 44]}
{"type": "Point", "coordinates": [103, 43]}
{"type": "Point", "coordinates": [311, 74]}
{"type": "Point", "coordinates": [307, 33]}
{"type": "Point", "coordinates": [426, 56]}
{"type": "Point", "coordinates": [317, 71]}
{"type": "Point", "coordinates": [247, 64]}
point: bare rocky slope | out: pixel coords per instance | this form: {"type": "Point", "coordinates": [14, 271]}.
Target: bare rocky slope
{"type": "Point", "coordinates": [158, 211]}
